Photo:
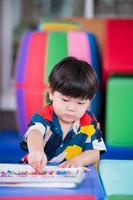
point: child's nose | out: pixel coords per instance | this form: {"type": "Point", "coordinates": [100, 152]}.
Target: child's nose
{"type": "Point", "coordinates": [71, 107]}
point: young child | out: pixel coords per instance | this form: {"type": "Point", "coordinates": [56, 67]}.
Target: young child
{"type": "Point", "coordinates": [65, 132]}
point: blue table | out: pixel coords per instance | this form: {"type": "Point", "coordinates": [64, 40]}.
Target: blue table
{"type": "Point", "coordinates": [91, 185]}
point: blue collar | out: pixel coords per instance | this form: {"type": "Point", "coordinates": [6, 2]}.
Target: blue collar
{"type": "Point", "coordinates": [56, 125]}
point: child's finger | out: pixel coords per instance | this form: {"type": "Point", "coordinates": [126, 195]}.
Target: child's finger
{"type": "Point", "coordinates": [42, 165]}
{"type": "Point", "coordinates": [35, 166]}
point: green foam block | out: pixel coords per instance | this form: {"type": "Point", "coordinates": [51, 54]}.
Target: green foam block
{"type": "Point", "coordinates": [119, 112]}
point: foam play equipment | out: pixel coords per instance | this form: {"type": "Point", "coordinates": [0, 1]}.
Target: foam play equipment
{"type": "Point", "coordinates": [95, 26]}
{"type": "Point", "coordinates": [118, 118]}
{"type": "Point", "coordinates": [10, 151]}
{"type": "Point", "coordinates": [117, 48]}
{"type": "Point", "coordinates": [52, 197]}
{"type": "Point", "coordinates": [119, 112]}
{"type": "Point", "coordinates": [59, 25]}
{"type": "Point", "coordinates": [120, 197]}
{"type": "Point", "coordinates": [39, 51]}
{"type": "Point", "coordinates": [116, 152]}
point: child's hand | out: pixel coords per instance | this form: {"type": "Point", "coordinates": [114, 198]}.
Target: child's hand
{"type": "Point", "coordinates": [74, 162]}
{"type": "Point", "coordinates": [37, 159]}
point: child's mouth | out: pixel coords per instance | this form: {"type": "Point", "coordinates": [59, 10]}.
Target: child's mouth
{"type": "Point", "coordinates": [69, 116]}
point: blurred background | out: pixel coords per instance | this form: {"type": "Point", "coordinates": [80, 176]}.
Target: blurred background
{"type": "Point", "coordinates": [34, 36]}
{"type": "Point", "coordinates": [18, 16]}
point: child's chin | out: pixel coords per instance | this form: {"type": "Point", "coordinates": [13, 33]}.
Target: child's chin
{"type": "Point", "coordinates": [67, 120]}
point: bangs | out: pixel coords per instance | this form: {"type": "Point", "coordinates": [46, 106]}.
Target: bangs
{"type": "Point", "coordinates": [75, 90]}
{"type": "Point", "coordinates": [75, 86]}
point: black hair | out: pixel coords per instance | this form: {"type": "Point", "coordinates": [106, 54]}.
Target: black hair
{"type": "Point", "coordinates": [73, 77]}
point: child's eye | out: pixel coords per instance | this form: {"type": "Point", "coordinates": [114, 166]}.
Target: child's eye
{"type": "Point", "coordinates": [80, 103]}
{"type": "Point", "coordinates": [65, 100]}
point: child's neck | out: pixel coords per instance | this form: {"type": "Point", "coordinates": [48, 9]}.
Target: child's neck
{"type": "Point", "coordinates": [65, 127]}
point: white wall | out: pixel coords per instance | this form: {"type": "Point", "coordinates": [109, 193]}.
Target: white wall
{"type": "Point", "coordinates": [9, 17]}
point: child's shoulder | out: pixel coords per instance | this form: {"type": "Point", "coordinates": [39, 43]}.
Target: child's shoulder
{"type": "Point", "coordinates": [47, 112]}
{"type": "Point", "coordinates": [88, 118]}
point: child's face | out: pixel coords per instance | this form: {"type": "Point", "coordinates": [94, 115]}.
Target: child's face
{"type": "Point", "coordinates": [68, 109]}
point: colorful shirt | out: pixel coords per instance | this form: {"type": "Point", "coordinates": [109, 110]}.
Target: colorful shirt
{"type": "Point", "coordinates": [84, 135]}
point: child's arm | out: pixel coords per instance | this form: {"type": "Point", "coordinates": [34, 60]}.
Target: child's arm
{"type": "Point", "coordinates": [85, 158]}
{"type": "Point", "coordinates": [36, 157]}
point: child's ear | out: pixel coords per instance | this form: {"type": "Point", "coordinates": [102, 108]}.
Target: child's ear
{"type": "Point", "coordinates": [50, 92]}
